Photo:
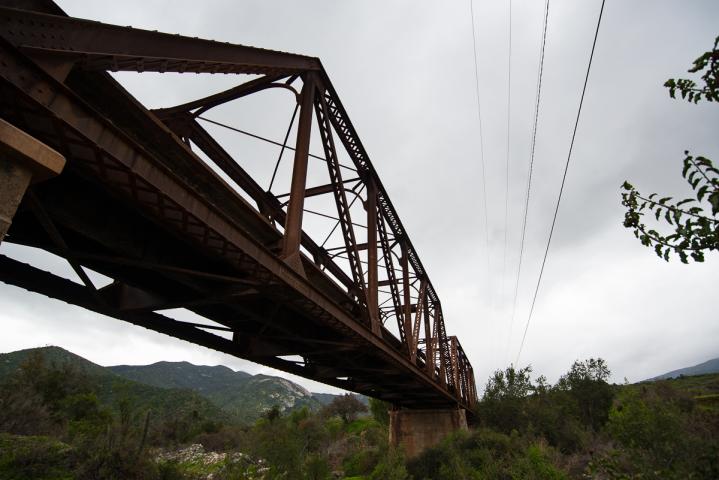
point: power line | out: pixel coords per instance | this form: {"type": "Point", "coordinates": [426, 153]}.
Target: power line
{"type": "Point", "coordinates": [561, 188]}
{"type": "Point", "coordinates": [481, 141]}
{"type": "Point", "coordinates": [506, 173]}
{"type": "Point", "coordinates": [540, 71]}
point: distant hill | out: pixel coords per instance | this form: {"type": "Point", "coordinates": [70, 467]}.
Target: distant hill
{"type": "Point", "coordinates": [111, 389]}
{"type": "Point", "coordinates": [10, 362]}
{"type": "Point", "coordinates": [243, 395]}
{"type": "Point", "coordinates": [183, 375]}
{"type": "Point", "coordinates": [710, 366]}
{"type": "Point", "coordinates": [326, 398]}
{"type": "Point", "coordinates": [217, 391]}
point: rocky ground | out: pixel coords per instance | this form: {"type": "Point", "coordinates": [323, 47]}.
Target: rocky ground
{"type": "Point", "coordinates": [199, 464]}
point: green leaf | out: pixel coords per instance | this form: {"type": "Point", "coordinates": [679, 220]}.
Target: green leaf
{"type": "Point", "coordinates": [703, 161]}
{"type": "Point", "coordinates": [683, 256]}
{"type": "Point", "coordinates": [714, 201]}
{"type": "Point", "coordinates": [687, 166]}
{"type": "Point", "coordinates": [677, 215]}
{"type": "Point", "coordinates": [702, 191]}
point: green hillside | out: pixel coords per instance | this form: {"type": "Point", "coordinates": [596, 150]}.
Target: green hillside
{"type": "Point", "coordinates": [114, 391]}
{"type": "Point", "coordinates": [10, 362]}
{"type": "Point", "coordinates": [183, 375]}
{"type": "Point", "coordinates": [703, 390]}
{"type": "Point", "coordinates": [244, 396]}
{"type": "Point", "coordinates": [217, 392]}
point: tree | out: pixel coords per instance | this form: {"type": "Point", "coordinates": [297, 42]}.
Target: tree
{"type": "Point", "coordinates": [586, 383]}
{"type": "Point", "coordinates": [696, 231]}
{"type": "Point", "coordinates": [346, 407]}
{"type": "Point", "coordinates": [503, 405]}
{"type": "Point", "coordinates": [379, 410]}
{"type": "Point", "coordinates": [272, 413]}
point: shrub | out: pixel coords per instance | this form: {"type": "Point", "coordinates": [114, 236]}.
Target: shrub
{"type": "Point", "coordinates": [362, 462]}
{"type": "Point", "coordinates": [535, 464]}
{"type": "Point", "coordinates": [390, 467]}
{"type": "Point", "coordinates": [24, 457]}
{"type": "Point", "coordinates": [316, 468]}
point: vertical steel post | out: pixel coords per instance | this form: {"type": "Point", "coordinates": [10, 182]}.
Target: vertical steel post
{"type": "Point", "coordinates": [455, 363]}
{"type": "Point", "coordinates": [293, 223]}
{"type": "Point", "coordinates": [407, 305]}
{"type": "Point", "coordinates": [441, 345]}
{"type": "Point", "coordinates": [372, 282]}
{"type": "Point", "coordinates": [429, 350]}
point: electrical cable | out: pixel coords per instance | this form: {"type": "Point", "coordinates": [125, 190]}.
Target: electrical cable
{"type": "Point", "coordinates": [506, 173]}
{"type": "Point", "coordinates": [531, 169]}
{"type": "Point", "coordinates": [561, 189]}
{"type": "Point", "coordinates": [481, 141]}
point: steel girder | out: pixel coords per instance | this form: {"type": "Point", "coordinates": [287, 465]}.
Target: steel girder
{"type": "Point", "coordinates": [53, 85]}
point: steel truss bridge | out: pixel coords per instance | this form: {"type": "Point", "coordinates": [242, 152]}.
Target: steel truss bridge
{"type": "Point", "coordinates": [146, 199]}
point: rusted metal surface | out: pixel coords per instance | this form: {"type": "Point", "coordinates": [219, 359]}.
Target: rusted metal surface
{"type": "Point", "coordinates": [137, 204]}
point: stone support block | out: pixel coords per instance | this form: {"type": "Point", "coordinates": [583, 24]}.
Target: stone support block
{"type": "Point", "coordinates": [416, 430]}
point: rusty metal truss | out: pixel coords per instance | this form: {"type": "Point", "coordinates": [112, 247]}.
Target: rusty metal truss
{"type": "Point", "coordinates": [141, 202]}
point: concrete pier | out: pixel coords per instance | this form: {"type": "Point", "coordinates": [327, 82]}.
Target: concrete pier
{"type": "Point", "coordinates": [416, 430]}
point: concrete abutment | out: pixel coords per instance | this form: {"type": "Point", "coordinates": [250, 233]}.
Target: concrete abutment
{"type": "Point", "coordinates": [417, 430]}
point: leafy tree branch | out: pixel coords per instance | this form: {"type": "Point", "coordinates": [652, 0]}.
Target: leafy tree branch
{"type": "Point", "coordinates": [695, 229]}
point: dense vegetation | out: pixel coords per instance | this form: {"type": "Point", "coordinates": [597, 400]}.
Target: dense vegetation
{"type": "Point", "coordinates": [56, 425]}
{"type": "Point", "coordinates": [583, 427]}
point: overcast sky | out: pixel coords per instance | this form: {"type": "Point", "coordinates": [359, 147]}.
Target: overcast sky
{"type": "Point", "coordinates": [405, 74]}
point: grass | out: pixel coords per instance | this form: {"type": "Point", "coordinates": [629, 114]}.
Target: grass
{"type": "Point", "coordinates": [696, 385]}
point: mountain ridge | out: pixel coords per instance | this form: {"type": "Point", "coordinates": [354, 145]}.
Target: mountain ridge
{"type": "Point", "coordinates": [243, 395]}
{"type": "Point", "coordinates": [238, 394]}
{"type": "Point", "coordinates": [112, 389]}
{"type": "Point", "coordinates": [710, 366]}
